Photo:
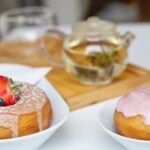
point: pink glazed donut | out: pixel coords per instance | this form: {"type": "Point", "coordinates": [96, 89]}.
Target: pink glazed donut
{"type": "Point", "coordinates": [132, 114]}
{"type": "Point", "coordinates": [31, 114]}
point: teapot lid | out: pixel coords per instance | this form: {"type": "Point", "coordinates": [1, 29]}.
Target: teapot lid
{"type": "Point", "coordinates": [95, 27]}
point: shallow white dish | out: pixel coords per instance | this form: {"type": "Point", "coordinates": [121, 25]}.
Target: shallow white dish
{"type": "Point", "coordinates": [105, 118]}
{"type": "Point", "coordinates": [60, 115]}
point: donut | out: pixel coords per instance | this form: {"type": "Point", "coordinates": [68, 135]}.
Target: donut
{"type": "Point", "coordinates": [132, 114]}
{"type": "Point", "coordinates": [24, 109]}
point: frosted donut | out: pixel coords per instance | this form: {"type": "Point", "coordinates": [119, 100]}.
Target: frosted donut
{"type": "Point", "coordinates": [132, 114]}
{"type": "Point", "coordinates": [30, 114]}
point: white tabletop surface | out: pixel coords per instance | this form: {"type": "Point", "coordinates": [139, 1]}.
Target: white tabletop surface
{"type": "Point", "coordinates": [81, 131]}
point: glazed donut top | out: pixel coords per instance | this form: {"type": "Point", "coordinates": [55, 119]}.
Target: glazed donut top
{"type": "Point", "coordinates": [136, 103]}
{"type": "Point", "coordinates": [31, 99]}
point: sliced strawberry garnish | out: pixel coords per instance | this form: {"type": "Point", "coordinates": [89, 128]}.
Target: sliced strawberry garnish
{"type": "Point", "coordinates": [8, 91]}
{"type": "Point", "coordinates": [3, 84]}
{"type": "Point", "coordinates": [9, 99]}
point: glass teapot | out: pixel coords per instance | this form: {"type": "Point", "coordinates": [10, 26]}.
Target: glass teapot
{"type": "Point", "coordinates": [95, 53]}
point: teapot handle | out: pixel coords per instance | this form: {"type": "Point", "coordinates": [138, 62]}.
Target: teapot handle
{"type": "Point", "coordinates": [52, 54]}
{"type": "Point", "coordinates": [128, 37]}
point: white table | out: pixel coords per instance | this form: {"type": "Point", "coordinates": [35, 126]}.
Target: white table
{"type": "Point", "coordinates": [81, 131]}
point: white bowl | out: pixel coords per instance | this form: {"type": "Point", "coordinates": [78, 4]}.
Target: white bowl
{"type": "Point", "coordinates": [60, 115]}
{"type": "Point", "coordinates": [105, 118]}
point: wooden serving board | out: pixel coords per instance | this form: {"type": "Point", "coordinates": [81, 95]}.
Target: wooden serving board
{"type": "Point", "coordinates": [78, 95]}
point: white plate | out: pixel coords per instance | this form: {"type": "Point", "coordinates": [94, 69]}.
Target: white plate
{"type": "Point", "coordinates": [105, 118]}
{"type": "Point", "coordinates": [60, 115]}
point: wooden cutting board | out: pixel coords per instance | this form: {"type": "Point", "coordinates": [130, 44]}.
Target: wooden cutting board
{"type": "Point", "coordinates": [76, 94]}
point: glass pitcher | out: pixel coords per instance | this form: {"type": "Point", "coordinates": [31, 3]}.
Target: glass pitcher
{"type": "Point", "coordinates": [95, 53]}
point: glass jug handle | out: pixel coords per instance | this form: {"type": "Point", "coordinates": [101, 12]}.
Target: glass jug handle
{"type": "Point", "coordinates": [51, 45]}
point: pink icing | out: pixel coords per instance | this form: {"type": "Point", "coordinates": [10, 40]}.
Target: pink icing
{"type": "Point", "coordinates": [136, 103]}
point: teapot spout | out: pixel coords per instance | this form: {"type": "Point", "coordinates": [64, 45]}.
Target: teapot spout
{"type": "Point", "coordinates": [128, 38]}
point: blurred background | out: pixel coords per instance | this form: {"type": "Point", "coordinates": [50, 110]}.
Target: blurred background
{"type": "Point", "coordinates": [36, 35]}
{"type": "Point", "coordinates": [115, 10]}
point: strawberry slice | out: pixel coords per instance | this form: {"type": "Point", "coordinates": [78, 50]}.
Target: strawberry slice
{"type": "Point", "coordinates": [8, 99]}
{"type": "Point", "coordinates": [8, 91]}
{"type": "Point", "coordinates": [3, 84]}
